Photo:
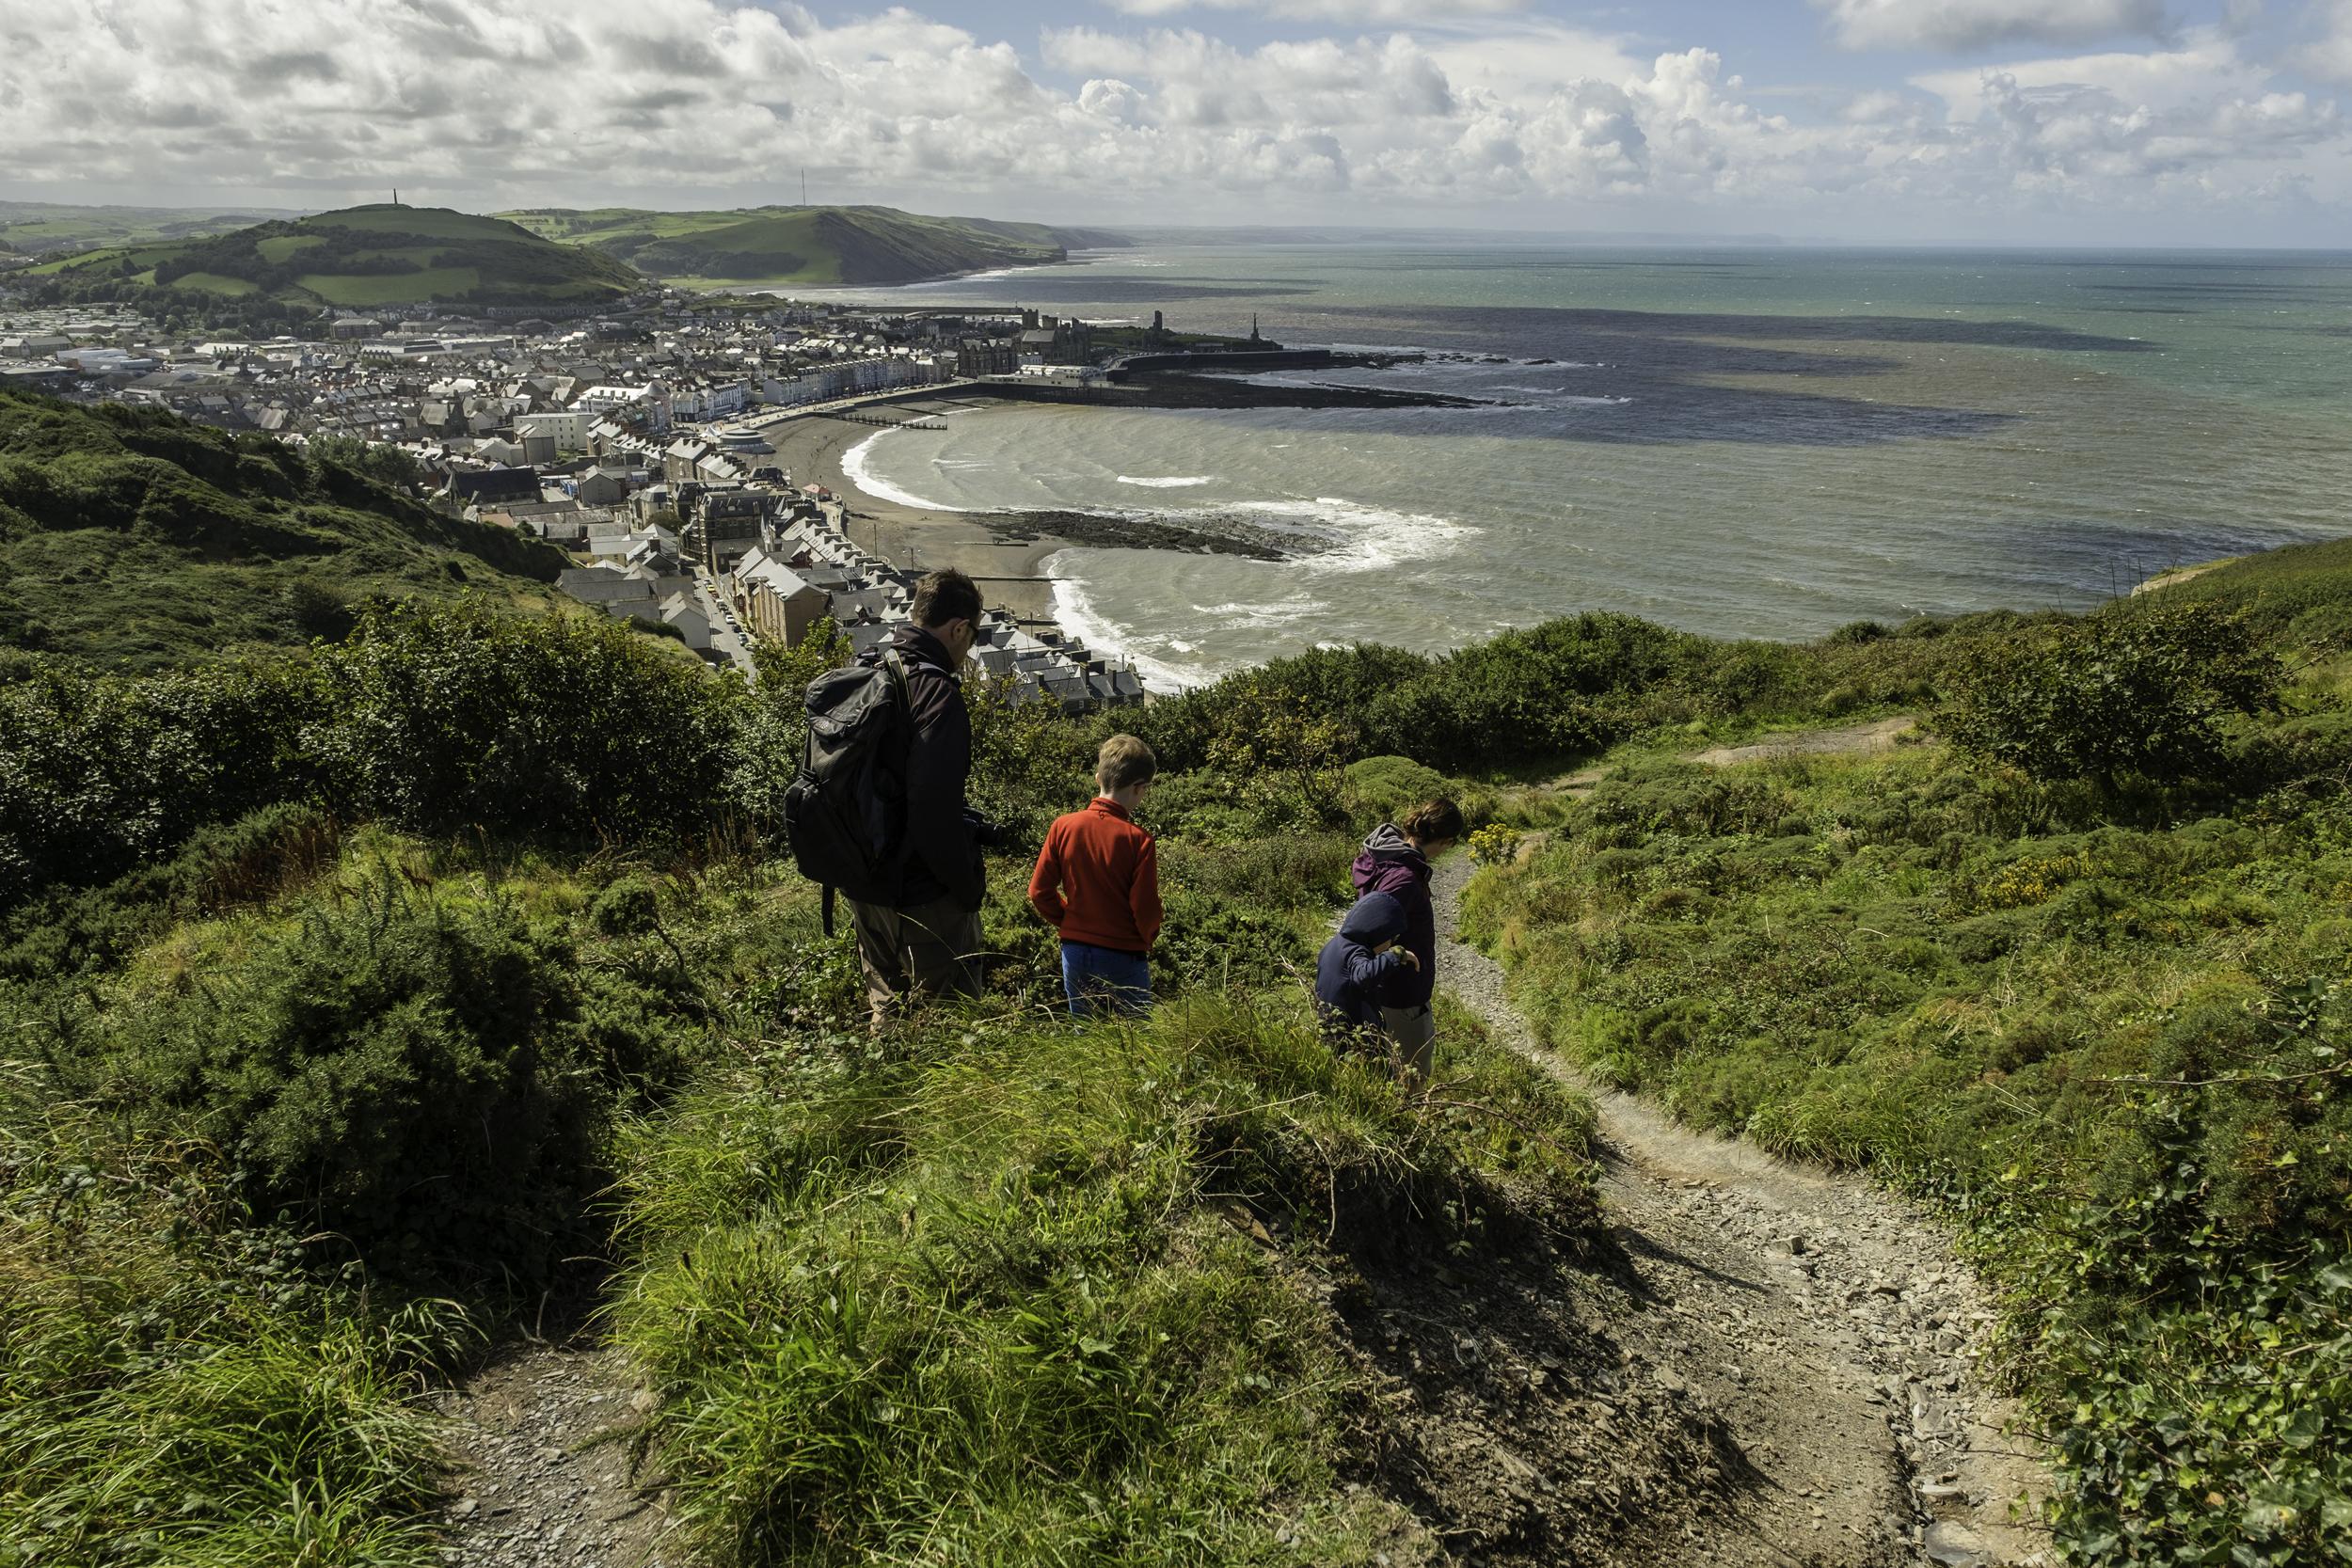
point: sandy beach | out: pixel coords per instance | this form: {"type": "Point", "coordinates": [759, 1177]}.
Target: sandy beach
{"type": "Point", "coordinates": [810, 448]}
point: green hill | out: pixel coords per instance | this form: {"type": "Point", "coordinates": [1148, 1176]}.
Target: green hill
{"type": "Point", "coordinates": [139, 540]}
{"type": "Point", "coordinates": [372, 998]}
{"type": "Point", "coordinates": [359, 257]}
{"type": "Point", "coordinates": [807, 245]}
{"type": "Point", "coordinates": [32, 228]}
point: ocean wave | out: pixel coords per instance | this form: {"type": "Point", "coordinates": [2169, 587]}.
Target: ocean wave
{"type": "Point", "coordinates": [1260, 614]}
{"type": "Point", "coordinates": [1169, 481]}
{"type": "Point", "coordinates": [857, 469]}
{"type": "Point", "coordinates": [1359, 538]}
{"type": "Point", "coordinates": [1074, 610]}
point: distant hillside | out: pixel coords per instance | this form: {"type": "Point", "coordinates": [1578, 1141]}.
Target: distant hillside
{"type": "Point", "coordinates": [809, 244]}
{"type": "Point", "coordinates": [35, 226]}
{"type": "Point", "coordinates": [359, 257]}
{"type": "Point", "coordinates": [138, 539]}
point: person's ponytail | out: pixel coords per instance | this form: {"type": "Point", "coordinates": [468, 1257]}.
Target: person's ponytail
{"type": "Point", "coordinates": [1432, 820]}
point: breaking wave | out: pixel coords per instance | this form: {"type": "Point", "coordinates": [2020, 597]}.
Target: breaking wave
{"type": "Point", "coordinates": [857, 468]}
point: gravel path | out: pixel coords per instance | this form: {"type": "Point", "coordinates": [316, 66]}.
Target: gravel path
{"type": "Point", "coordinates": [541, 1438]}
{"type": "Point", "coordinates": [1850, 740]}
{"type": "Point", "coordinates": [1828, 1321]}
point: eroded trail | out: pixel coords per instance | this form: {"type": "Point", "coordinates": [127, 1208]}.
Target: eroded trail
{"type": "Point", "coordinates": [1826, 1322]}
{"type": "Point", "coordinates": [545, 1467]}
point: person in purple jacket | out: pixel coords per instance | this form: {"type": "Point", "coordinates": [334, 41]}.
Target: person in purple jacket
{"type": "Point", "coordinates": [1395, 860]}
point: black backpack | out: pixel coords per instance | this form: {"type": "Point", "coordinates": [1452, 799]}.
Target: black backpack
{"type": "Point", "coordinates": [846, 812]}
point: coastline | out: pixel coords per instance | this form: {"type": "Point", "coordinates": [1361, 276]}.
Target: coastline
{"type": "Point", "coordinates": [811, 449]}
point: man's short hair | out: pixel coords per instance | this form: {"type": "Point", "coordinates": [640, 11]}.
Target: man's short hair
{"type": "Point", "coordinates": [1432, 820]}
{"type": "Point", "coordinates": [942, 596]}
{"type": "Point", "coordinates": [1123, 761]}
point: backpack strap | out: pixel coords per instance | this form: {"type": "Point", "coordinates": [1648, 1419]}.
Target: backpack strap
{"type": "Point", "coordinates": [828, 907]}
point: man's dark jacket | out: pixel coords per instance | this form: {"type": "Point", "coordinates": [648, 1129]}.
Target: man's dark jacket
{"type": "Point", "coordinates": [941, 860]}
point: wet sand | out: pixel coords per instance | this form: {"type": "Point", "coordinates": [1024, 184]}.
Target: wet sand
{"type": "Point", "coordinates": [810, 448]}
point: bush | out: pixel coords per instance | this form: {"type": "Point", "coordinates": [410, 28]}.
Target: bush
{"type": "Point", "coordinates": [421, 1074]}
{"type": "Point", "coordinates": [2129, 690]}
{"type": "Point", "coordinates": [181, 1390]}
{"type": "Point", "coordinates": [1382, 788]}
{"type": "Point", "coordinates": [566, 724]}
{"type": "Point", "coordinates": [101, 773]}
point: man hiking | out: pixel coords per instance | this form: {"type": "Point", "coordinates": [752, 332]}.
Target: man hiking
{"type": "Point", "coordinates": [926, 940]}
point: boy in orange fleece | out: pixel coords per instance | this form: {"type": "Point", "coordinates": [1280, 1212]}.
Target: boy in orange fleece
{"type": "Point", "coordinates": [1098, 882]}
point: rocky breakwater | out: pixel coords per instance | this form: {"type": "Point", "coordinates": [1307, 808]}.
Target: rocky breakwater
{"type": "Point", "coordinates": [1228, 384]}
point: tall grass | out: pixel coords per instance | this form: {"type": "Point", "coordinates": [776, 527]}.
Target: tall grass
{"type": "Point", "coordinates": [179, 1388]}
{"type": "Point", "coordinates": [1032, 1293]}
{"type": "Point", "coordinates": [2109, 1031]}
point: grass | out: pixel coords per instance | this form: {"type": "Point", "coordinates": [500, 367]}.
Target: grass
{"type": "Point", "coordinates": [212, 283]}
{"type": "Point", "coordinates": [141, 541]}
{"type": "Point", "coordinates": [819, 246]}
{"type": "Point", "coordinates": [432, 283]}
{"type": "Point", "coordinates": [176, 1388]}
{"type": "Point", "coordinates": [286, 244]}
{"type": "Point", "coordinates": [1008, 1290]}
{"type": "Point", "coordinates": [2106, 1032]}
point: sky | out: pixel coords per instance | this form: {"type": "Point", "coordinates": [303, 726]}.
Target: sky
{"type": "Point", "coordinates": [2197, 122]}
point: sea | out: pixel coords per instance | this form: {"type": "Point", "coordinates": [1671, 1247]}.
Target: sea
{"type": "Point", "coordinates": [1762, 442]}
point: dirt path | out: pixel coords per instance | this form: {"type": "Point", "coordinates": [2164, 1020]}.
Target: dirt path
{"type": "Point", "coordinates": [545, 1472]}
{"type": "Point", "coordinates": [1847, 740]}
{"type": "Point", "coordinates": [1826, 1320]}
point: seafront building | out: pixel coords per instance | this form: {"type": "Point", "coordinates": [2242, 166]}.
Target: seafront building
{"type": "Point", "coordinates": [635, 440]}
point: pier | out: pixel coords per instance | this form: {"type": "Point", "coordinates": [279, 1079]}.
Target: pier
{"type": "Point", "coordinates": [867, 416]}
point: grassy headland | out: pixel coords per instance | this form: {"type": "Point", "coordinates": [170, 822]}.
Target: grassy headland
{"type": "Point", "coordinates": [136, 539]}
{"type": "Point", "coordinates": [360, 991]}
{"type": "Point", "coordinates": [360, 255]}
{"type": "Point", "coordinates": [819, 246]}
{"type": "Point", "coordinates": [32, 228]}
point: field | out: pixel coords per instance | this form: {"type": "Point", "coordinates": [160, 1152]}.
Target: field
{"type": "Point", "coordinates": [33, 226]}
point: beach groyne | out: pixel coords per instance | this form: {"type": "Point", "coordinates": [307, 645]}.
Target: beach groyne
{"type": "Point", "coordinates": [1198, 389]}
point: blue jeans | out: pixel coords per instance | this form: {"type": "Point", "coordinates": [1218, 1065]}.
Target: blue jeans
{"type": "Point", "coordinates": [1104, 977]}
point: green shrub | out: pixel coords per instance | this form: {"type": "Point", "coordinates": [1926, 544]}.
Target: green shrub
{"type": "Point", "coordinates": [2132, 691]}
{"type": "Point", "coordinates": [423, 1074]}
{"type": "Point", "coordinates": [101, 773]}
{"type": "Point", "coordinates": [1380, 789]}
{"type": "Point", "coordinates": [470, 720]}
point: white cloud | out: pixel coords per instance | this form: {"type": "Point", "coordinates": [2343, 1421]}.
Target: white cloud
{"type": "Point", "coordinates": [1423, 12]}
{"type": "Point", "coordinates": [2209, 67]}
{"type": "Point", "coordinates": [2330, 55]}
{"type": "Point", "coordinates": [1964, 24]}
{"type": "Point", "coordinates": [491, 103]}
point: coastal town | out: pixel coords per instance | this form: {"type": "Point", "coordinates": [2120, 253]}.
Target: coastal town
{"type": "Point", "coordinates": [645, 442]}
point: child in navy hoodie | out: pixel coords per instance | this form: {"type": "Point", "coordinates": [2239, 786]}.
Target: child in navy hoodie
{"type": "Point", "coordinates": [1354, 966]}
